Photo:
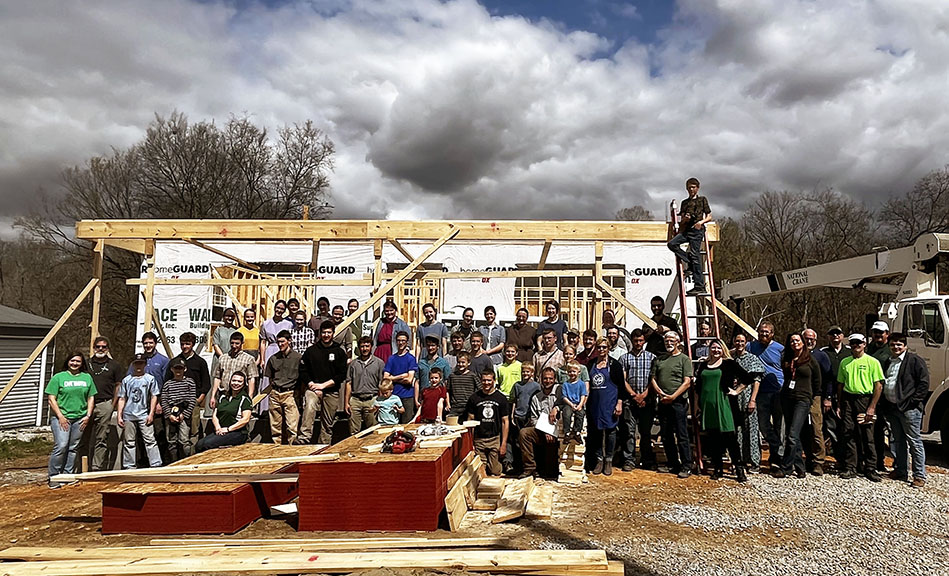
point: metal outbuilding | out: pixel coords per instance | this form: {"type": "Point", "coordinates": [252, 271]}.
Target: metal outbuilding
{"type": "Point", "coordinates": [20, 333]}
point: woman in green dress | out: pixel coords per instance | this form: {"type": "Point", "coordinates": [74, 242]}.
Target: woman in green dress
{"type": "Point", "coordinates": [717, 378]}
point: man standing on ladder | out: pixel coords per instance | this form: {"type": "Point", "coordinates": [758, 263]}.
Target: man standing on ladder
{"type": "Point", "coordinates": [693, 215]}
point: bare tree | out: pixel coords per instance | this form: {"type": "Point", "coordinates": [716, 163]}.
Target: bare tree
{"type": "Point", "coordinates": [634, 214]}
{"type": "Point", "coordinates": [924, 209]}
{"type": "Point", "coordinates": [183, 170]}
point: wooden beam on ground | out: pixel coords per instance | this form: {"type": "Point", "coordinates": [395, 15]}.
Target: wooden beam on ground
{"type": "Point", "coordinates": [252, 563]}
{"type": "Point", "coordinates": [354, 230]}
{"type": "Point", "coordinates": [544, 253]}
{"type": "Point", "coordinates": [222, 253]}
{"type": "Point", "coordinates": [615, 568]}
{"type": "Point", "coordinates": [541, 503]}
{"type": "Point", "coordinates": [398, 246]}
{"type": "Point", "coordinates": [392, 542]}
{"type": "Point", "coordinates": [514, 500]}
{"type": "Point", "coordinates": [730, 314]}
{"type": "Point", "coordinates": [647, 320]}
{"type": "Point", "coordinates": [149, 283]}
{"type": "Point", "coordinates": [248, 282]}
{"type": "Point", "coordinates": [180, 468]}
{"type": "Point", "coordinates": [380, 293]}
{"type": "Point", "coordinates": [47, 339]}
{"type": "Point", "coordinates": [144, 476]}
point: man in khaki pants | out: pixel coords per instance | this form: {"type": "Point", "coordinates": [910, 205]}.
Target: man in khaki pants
{"type": "Point", "coordinates": [815, 451]}
{"type": "Point", "coordinates": [362, 386]}
{"type": "Point", "coordinates": [283, 370]}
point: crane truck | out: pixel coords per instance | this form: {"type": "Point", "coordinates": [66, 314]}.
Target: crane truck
{"type": "Point", "coordinates": [910, 276]}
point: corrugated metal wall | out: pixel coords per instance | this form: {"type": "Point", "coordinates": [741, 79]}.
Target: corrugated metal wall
{"type": "Point", "coordinates": [21, 406]}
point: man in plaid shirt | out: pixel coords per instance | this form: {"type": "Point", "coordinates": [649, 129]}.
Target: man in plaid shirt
{"type": "Point", "coordinates": [302, 336]}
{"type": "Point", "coordinates": [639, 406]}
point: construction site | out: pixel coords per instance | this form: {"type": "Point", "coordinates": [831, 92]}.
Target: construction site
{"type": "Point", "coordinates": [349, 507]}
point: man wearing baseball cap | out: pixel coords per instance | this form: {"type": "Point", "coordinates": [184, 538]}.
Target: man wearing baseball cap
{"type": "Point", "coordinates": [859, 384]}
{"type": "Point", "coordinates": [879, 348]}
{"type": "Point", "coordinates": [836, 350]}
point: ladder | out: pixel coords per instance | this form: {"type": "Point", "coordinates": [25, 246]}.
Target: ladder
{"type": "Point", "coordinates": [705, 306]}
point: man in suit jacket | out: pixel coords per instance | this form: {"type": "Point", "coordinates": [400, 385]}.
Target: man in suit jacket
{"type": "Point", "coordinates": [904, 394]}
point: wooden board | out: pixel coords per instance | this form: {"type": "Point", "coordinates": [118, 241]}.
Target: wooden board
{"type": "Point", "coordinates": [253, 563]}
{"type": "Point", "coordinates": [455, 505]}
{"type": "Point", "coordinates": [214, 545]}
{"type": "Point", "coordinates": [615, 568]}
{"type": "Point", "coordinates": [541, 503]}
{"type": "Point", "coordinates": [484, 504]}
{"type": "Point", "coordinates": [513, 501]}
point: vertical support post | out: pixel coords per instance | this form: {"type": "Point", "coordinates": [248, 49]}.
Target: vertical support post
{"type": "Point", "coordinates": [96, 292]}
{"type": "Point", "coordinates": [377, 268]}
{"type": "Point", "coordinates": [149, 283]}
{"type": "Point", "coordinates": [42, 394]}
{"type": "Point", "coordinates": [597, 279]}
{"type": "Point", "coordinates": [314, 262]}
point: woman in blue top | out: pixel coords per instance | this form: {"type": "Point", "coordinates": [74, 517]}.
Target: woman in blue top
{"type": "Point", "coordinates": [604, 406]}
{"type": "Point", "coordinates": [70, 394]}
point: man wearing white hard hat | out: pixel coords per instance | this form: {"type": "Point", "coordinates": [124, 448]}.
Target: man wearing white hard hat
{"type": "Point", "coordinates": [859, 384]}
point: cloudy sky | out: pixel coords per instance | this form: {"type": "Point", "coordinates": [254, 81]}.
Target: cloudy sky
{"type": "Point", "coordinates": [498, 109]}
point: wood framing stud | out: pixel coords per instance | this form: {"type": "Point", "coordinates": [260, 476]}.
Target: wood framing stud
{"type": "Point", "coordinates": [544, 253]}
{"type": "Point", "coordinates": [222, 253]}
{"type": "Point", "coordinates": [398, 246]}
{"type": "Point", "coordinates": [96, 292]}
{"type": "Point", "coordinates": [149, 283]}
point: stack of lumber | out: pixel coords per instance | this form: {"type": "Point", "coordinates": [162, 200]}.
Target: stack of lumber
{"type": "Point", "coordinates": [304, 556]}
{"type": "Point", "coordinates": [471, 489]}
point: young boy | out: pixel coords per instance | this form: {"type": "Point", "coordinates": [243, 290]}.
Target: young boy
{"type": "Point", "coordinates": [462, 383]}
{"type": "Point", "coordinates": [509, 373]}
{"type": "Point", "coordinates": [575, 393]}
{"type": "Point", "coordinates": [522, 393]}
{"type": "Point", "coordinates": [386, 406]}
{"type": "Point", "coordinates": [177, 402]}
{"type": "Point", "coordinates": [434, 399]}
{"type": "Point", "coordinates": [138, 397]}
{"type": "Point", "coordinates": [693, 215]}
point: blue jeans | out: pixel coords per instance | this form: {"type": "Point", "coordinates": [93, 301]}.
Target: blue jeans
{"type": "Point", "coordinates": [63, 458]}
{"type": "Point", "coordinates": [212, 441]}
{"type": "Point", "coordinates": [769, 423]}
{"type": "Point", "coordinates": [796, 412]}
{"type": "Point", "coordinates": [906, 428]}
{"type": "Point", "coordinates": [695, 238]}
{"type": "Point", "coordinates": [674, 429]}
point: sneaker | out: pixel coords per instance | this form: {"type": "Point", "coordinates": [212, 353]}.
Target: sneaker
{"type": "Point", "coordinates": [695, 291]}
{"type": "Point", "coordinates": [818, 470]}
{"type": "Point", "coordinates": [607, 468]}
{"type": "Point", "coordinates": [598, 469]}
{"type": "Point", "coordinates": [918, 482]}
{"type": "Point", "coordinates": [628, 467]}
{"type": "Point", "coordinates": [848, 475]}
{"type": "Point", "coordinates": [872, 476]}
{"type": "Point", "coordinates": [683, 474]}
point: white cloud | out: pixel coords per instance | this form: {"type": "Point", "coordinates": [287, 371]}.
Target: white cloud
{"type": "Point", "coordinates": [440, 110]}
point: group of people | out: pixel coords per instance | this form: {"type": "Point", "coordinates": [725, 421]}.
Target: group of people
{"type": "Point", "coordinates": [532, 389]}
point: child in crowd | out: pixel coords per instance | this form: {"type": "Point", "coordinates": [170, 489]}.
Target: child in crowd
{"type": "Point", "coordinates": [575, 392]}
{"type": "Point", "coordinates": [434, 399]}
{"type": "Point", "coordinates": [509, 372]}
{"type": "Point", "coordinates": [462, 383]}
{"type": "Point", "coordinates": [522, 393]}
{"type": "Point", "coordinates": [138, 398]}
{"type": "Point", "coordinates": [177, 402]}
{"type": "Point", "coordinates": [386, 406]}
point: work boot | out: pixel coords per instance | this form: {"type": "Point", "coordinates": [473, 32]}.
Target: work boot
{"type": "Point", "coordinates": [607, 468]}
{"type": "Point", "coordinates": [918, 482]}
{"type": "Point", "coordinates": [740, 473]}
{"type": "Point", "coordinates": [873, 476]}
{"type": "Point", "coordinates": [598, 469]}
{"type": "Point", "coordinates": [628, 467]}
{"type": "Point", "coordinates": [818, 470]}
{"type": "Point", "coordinates": [778, 473]}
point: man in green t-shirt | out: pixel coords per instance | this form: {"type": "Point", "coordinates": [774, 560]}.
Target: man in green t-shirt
{"type": "Point", "coordinates": [859, 384]}
{"type": "Point", "coordinates": [671, 376]}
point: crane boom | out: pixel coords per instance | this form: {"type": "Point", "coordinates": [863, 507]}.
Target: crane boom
{"type": "Point", "coordinates": [914, 263]}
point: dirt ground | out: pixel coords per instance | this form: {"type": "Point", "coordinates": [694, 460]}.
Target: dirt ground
{"type": "Point", "coordinates": [653, 522]}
